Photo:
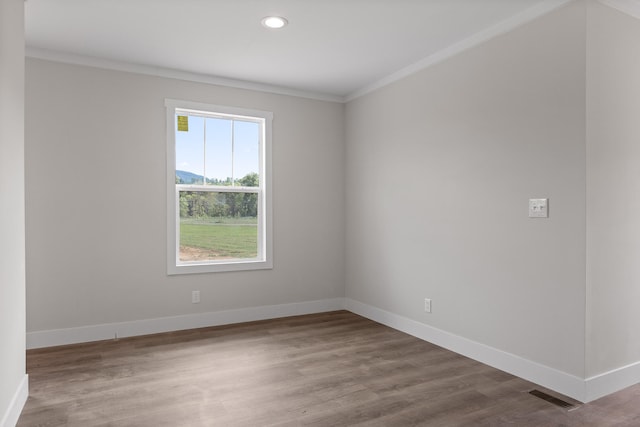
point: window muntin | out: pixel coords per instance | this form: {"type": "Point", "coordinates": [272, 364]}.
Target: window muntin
{"type": "Point", "coordinates": [218, 188]}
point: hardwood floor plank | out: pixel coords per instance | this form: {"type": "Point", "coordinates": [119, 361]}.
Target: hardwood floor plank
{"type": "Point", "coordinates": [329, 369]}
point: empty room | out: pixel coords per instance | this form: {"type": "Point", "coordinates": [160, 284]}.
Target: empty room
{"type": "Point", "coordinates": [319, 213]}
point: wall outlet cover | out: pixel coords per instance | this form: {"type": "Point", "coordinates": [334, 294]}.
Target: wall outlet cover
{"type": "Point", "coordinates": [427, 305]}
{"type": "Point", "coordinates": [538, 208]}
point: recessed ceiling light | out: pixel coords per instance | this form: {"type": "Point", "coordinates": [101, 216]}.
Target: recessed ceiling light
{"type": "Point", "coordinates": [274, 22]}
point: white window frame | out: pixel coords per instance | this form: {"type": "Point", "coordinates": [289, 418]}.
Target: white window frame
{"type": "Point", "coordinates": [264, 259]}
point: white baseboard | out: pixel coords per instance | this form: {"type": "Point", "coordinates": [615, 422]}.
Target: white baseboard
{"type": "Point", "coordinates": [50, 338]}
{"type": "Point", "coordinates": [612, 381]}
{"type": "Point", "coordinates": [583, 390]}
{"type": "Point", "coordinates": [10, 418]}
{"type": "Point", "coordinates": [545, 376]}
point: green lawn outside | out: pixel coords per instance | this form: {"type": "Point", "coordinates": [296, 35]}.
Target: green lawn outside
{"type": "Point", "coordinates": [236, 238]}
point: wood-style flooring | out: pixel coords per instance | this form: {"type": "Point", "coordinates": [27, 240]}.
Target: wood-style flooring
{"type": "Point", "coordinates": [331, 369]}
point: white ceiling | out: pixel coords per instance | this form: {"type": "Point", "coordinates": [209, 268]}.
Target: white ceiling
{"type": "Point", "coordinates": [334, 48]}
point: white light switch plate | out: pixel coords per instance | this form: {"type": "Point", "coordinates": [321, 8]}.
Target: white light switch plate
{"type": "Point", "coordinates": [538, 208]}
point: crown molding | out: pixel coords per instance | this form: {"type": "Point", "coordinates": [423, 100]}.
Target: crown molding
{"type": "Point", "coordinates": [506, 26]}
{"type": "Point", "coordinates": [90, 61]}
{"type": "Point", "coordinates": [629, 7]}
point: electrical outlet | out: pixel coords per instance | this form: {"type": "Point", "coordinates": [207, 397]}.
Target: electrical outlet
{"type": "Point", "coordinates": [427, 305]}
{"type": "Point", "coordinates": [195, 297]}
{"type": "Point", "coordinates": [538, 208]}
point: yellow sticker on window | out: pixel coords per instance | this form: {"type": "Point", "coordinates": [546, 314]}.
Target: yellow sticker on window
{"type": "Point", "coordinates": [183, 123]}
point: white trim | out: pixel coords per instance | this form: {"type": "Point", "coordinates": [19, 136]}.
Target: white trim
{"type": "Point", "coordinates": [629, 7]}
{"type": "Point", "coordinates": [91, 61]}
{"type": "Point", "coordinates": [534, 12]}
{"type": "Point", "coordinates": [545, 376]}
{"type": "Point", "coordinates": [612, 381]}
{"type": "Point", "coordinates": [10, 418]}
{"type": "Point", "coordinates": [561, 382]}
{"type": "Point", "coordinates": [264, 258]}
{"type": "Point", "coordinates": [503, 27]}
{"type": "Point", "coordinates": [39, 339]}
{"type": "Point", "coordinates": [583, 390]}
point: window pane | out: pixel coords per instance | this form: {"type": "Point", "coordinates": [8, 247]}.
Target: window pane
{"type": "Point", "coordinates": [190, 151]}
{"type": "Point", "coordinates": [246, 153]}
{"type": "Point", "coordinates": [218, 153]}
{"type": "Point", "coordinates": [217, 226]}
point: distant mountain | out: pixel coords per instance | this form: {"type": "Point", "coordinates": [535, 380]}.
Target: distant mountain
{"type": "Point", "coordinates": [185, 177]}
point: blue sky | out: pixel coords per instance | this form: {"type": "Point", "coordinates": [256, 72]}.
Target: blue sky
{"type": "Point", "coordinates": [216, 163]}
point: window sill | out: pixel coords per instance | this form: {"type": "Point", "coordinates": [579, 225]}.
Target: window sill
{"type": "Point", "coordinates": [207, 267]}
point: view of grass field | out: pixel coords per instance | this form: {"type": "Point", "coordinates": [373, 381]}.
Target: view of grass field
{"type": "Point", "coordinates": [218, 238]}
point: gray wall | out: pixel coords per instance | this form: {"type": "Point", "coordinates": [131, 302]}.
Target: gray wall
{"type": "Point", "coordinates": [12, 240]}
{"type": "Point", "coordinates": [613, 189]}
{"type": "Point", "coordinates": [96, 223]}
{"type": "Point", "coordinates": [440, 167]}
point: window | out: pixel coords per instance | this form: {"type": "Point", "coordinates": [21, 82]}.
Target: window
{"type": "Point", "coordinates": [218, 188]}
